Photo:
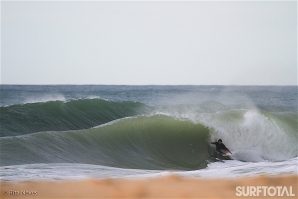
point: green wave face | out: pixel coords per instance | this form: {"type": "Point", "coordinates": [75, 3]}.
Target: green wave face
{"type": "Point", "coordinates": [156, 142]}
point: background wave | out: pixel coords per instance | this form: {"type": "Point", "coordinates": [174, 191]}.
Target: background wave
{"type": "Point", "coordinates": [61, 115]}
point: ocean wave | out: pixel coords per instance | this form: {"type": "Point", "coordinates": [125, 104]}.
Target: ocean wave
{"type": "Point", "coordinates": [63, 115]}
{"type": "Point", "coordinates": [155, 142]}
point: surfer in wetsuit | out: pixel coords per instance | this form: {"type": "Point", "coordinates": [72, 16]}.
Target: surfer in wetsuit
{"type": "Point", "coordinates": [220, 147]}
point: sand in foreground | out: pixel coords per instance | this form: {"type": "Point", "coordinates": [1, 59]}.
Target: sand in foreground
{"type": "Point", "coordinates": [165, 187]}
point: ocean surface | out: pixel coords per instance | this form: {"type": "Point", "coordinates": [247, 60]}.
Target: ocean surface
{"type": "Point", "coordinates": [74, 132]}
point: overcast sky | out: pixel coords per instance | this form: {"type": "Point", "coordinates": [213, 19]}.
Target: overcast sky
{"type": "Point", "coordinates": [137, 43]}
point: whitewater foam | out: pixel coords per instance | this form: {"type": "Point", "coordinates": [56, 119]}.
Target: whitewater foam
{"type": "Point", "coordinates": [251, 134]}
{"type": "Point", "coordinates": [235, 169]}
{"type": "Point", "coordinates": [70, 171]}
{"type": "Point", "coordinates": [255, 136]}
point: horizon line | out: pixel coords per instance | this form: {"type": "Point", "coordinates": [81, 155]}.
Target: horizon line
{"type": "Point", "coordinates": [144, 85]}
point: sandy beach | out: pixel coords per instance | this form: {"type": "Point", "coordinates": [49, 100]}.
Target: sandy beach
{"type": "Point", "coordinates": [164, 187]}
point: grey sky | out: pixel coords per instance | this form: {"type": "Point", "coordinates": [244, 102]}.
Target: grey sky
{"type": "Point", "coordinates": [200, 43]}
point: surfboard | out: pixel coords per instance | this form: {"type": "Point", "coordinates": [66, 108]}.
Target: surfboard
{"type": "Point", "coordinates": [225, 153]}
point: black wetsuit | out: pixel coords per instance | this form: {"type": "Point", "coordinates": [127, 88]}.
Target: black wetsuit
{"type": "Point", "coordinates": [220, 147]}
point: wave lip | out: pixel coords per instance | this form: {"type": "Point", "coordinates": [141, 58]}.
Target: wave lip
{"type": "Point", "coordinates": [44, 98]}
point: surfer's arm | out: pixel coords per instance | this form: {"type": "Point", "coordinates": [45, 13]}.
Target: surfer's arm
{"type": "Point", "coordinates": [225, 148]}
{"type": "Point", "coordinates": [228, 150]}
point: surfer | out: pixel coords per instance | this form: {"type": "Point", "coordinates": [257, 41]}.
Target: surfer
{"type": "Point", "coordinates": [220, 147]}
